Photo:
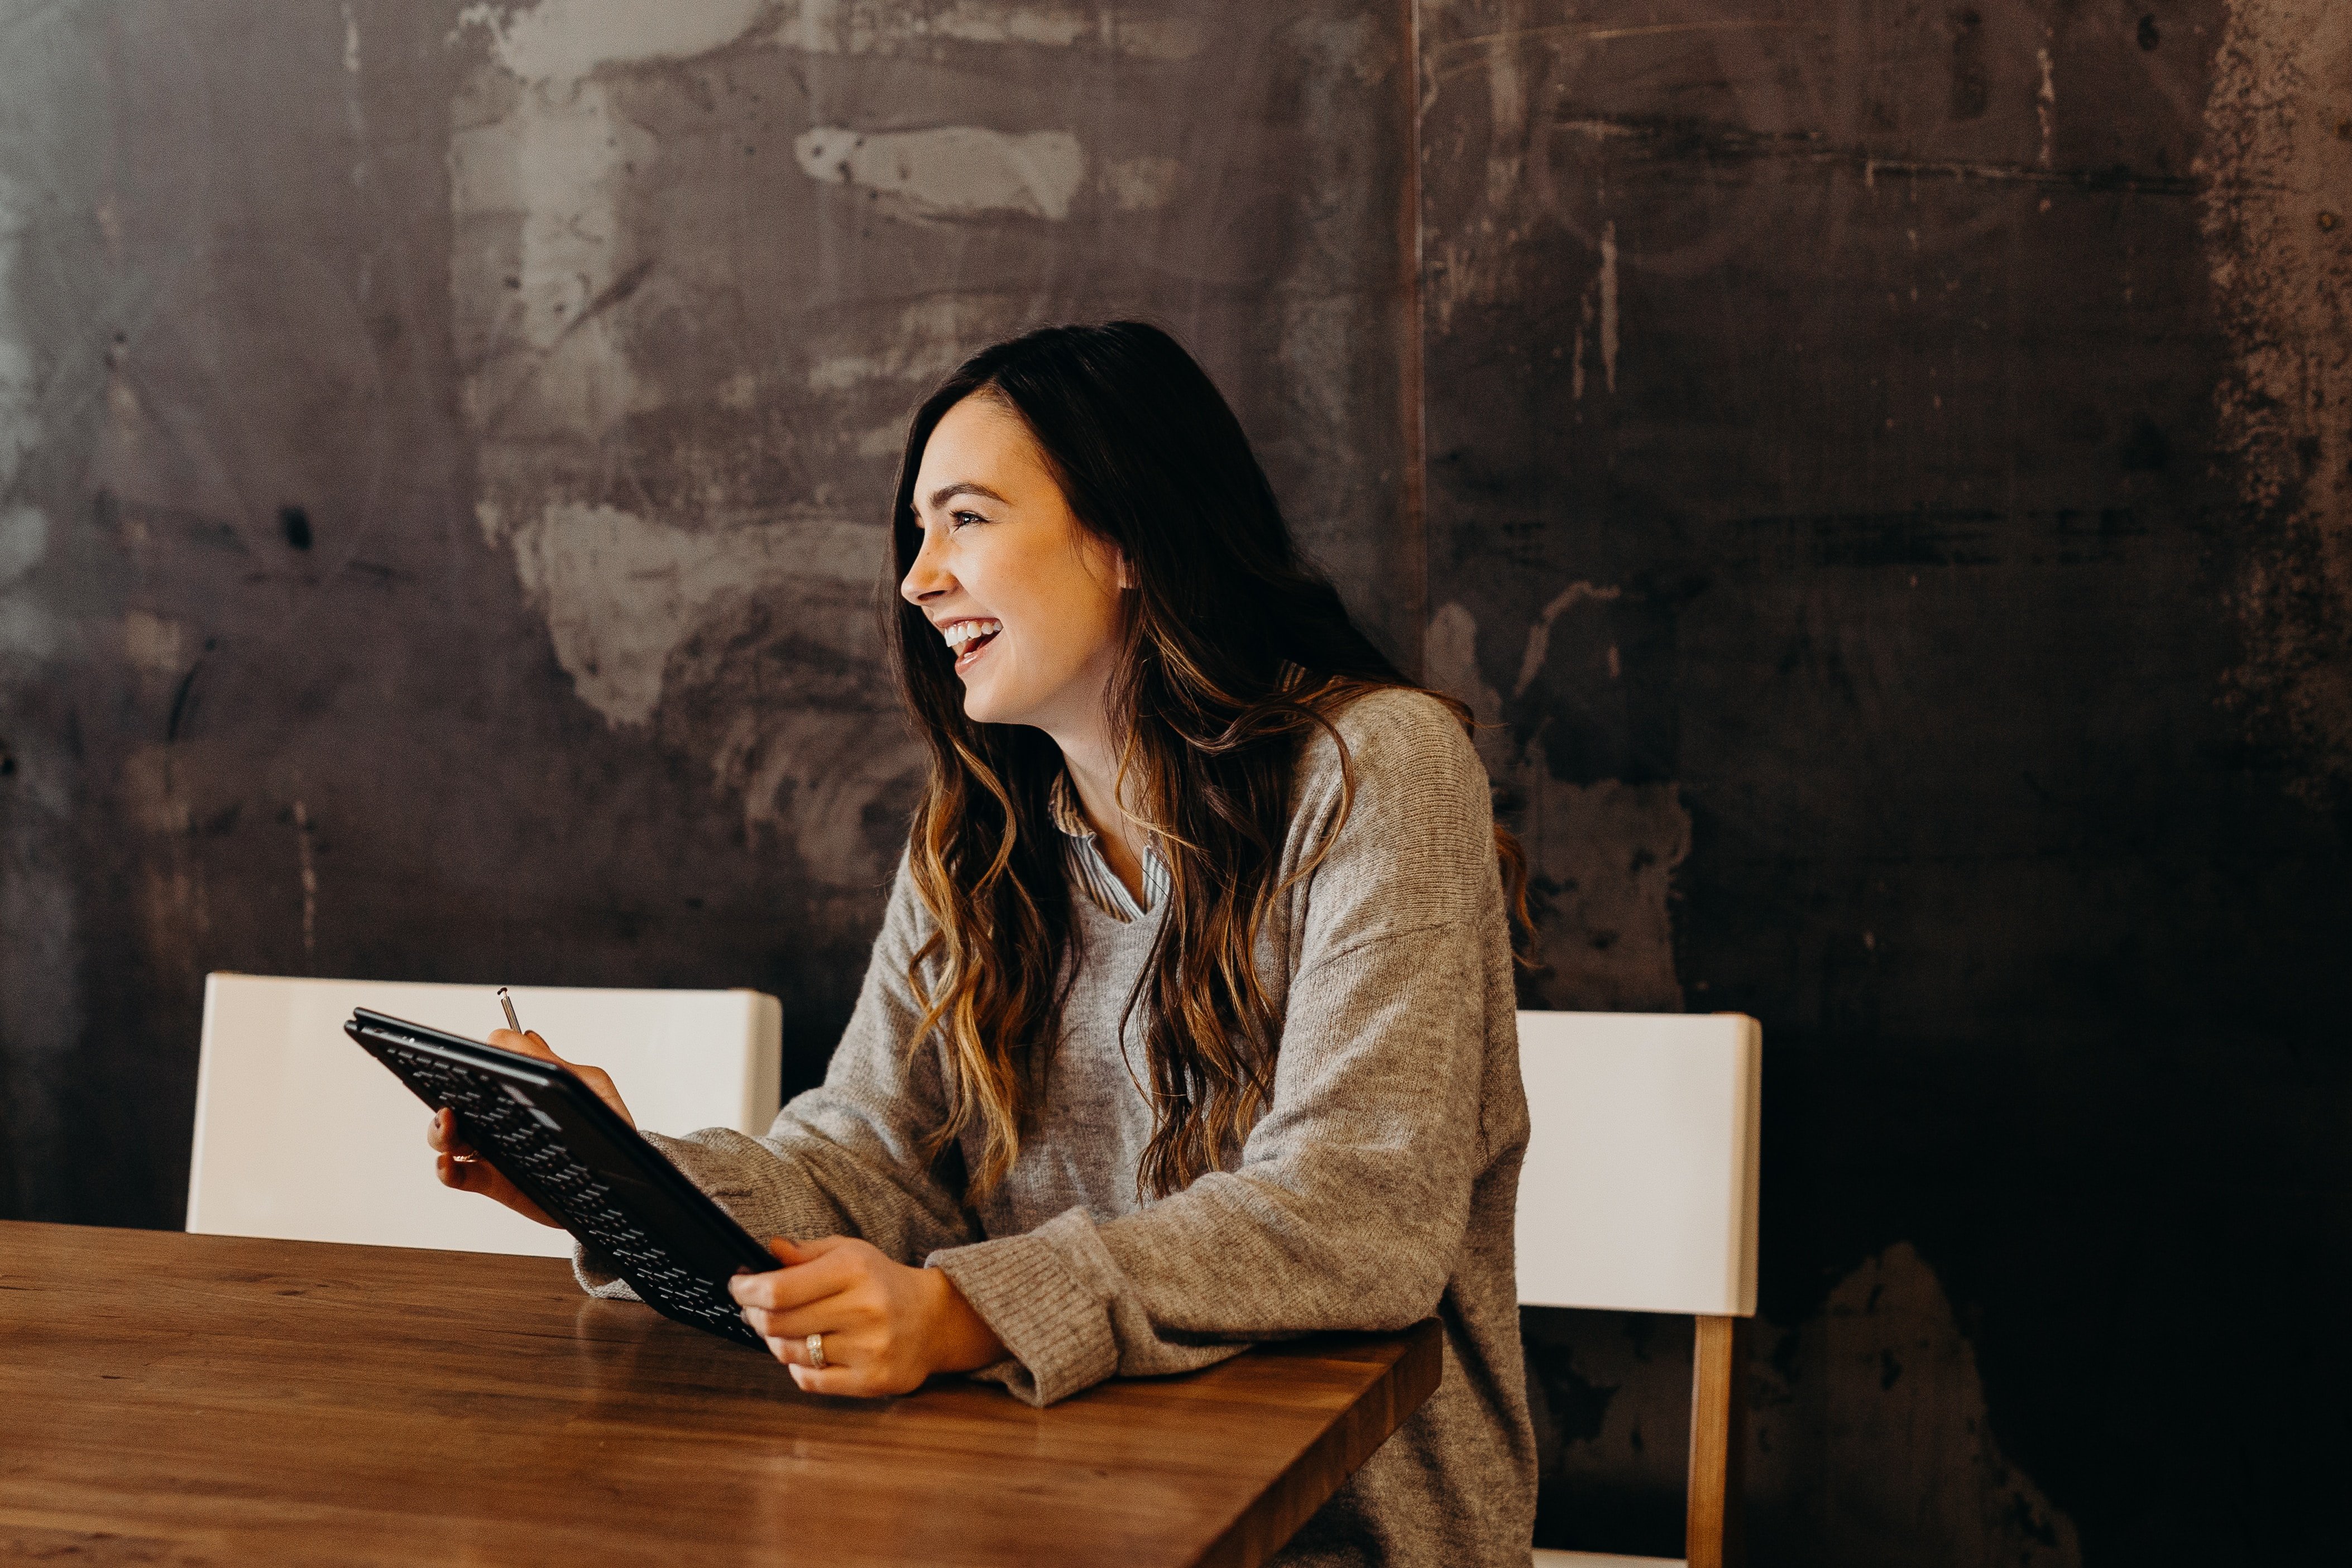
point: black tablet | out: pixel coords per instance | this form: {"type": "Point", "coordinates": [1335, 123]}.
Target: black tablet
{"type": "Point", "coordinates": [569, 1152]}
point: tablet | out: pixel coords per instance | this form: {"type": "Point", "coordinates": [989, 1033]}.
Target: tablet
{"type": "Point", "coordinates": [572, 1155]}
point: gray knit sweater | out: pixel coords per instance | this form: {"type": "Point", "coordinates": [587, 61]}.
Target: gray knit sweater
{"type": "Point", "coordinates": [1377, 1189]}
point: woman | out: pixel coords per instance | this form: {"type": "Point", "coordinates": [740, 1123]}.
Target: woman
{"type": "Point", "coordinates": [1191, 1021]}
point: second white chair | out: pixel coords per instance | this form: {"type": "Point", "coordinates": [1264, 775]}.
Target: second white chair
{"type": "Point", "coordinates": [1639, 1194]}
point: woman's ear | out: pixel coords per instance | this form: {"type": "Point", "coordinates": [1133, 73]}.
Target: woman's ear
{"type": "Point", "coordinates": [1126, 570]}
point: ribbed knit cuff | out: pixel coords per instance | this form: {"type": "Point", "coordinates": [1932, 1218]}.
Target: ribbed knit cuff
{"type": "Point", "coordinates": [1055, 1326]}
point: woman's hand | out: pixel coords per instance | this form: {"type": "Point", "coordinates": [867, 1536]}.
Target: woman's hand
{"type": "Point", "coordinates": [886, 1326]}
{"type": "Point", "coordinates": [460, 1166]}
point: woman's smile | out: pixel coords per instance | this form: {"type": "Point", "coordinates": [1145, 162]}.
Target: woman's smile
{"type": "Point", "coordinates": [967, 635]}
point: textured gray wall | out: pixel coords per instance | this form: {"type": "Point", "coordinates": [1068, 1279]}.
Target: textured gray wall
{"type": "Point", "coordinates": [1886, 484]}
{"type": "Point", "coordinates": [446, 459]}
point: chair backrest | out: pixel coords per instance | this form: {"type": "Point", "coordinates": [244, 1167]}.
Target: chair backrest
{"type": "Point", "coordinates": [303, 1135]}
{"type": "Point", "coordinates": [1639, 1190]}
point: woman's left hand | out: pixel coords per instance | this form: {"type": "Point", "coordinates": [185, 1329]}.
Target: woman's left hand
{"type": "Point", "coordinates": [886, 1326]}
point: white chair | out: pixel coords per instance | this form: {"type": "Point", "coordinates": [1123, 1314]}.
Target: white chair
{"type": "Point", "coordinates": [302, 1134]}
{"type": "Point", "coordinates": [1639, 1194]}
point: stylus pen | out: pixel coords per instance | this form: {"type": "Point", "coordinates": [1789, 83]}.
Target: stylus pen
{"type": "Point", "coordinates": [507, 1002]}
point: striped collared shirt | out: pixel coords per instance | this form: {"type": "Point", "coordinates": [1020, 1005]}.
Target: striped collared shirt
{"type": "Point", "coordinates": [1083, 846]}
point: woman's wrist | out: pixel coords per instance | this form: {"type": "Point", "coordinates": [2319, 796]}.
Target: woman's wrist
{"type": "Point", "coordinates": [960, 1339]}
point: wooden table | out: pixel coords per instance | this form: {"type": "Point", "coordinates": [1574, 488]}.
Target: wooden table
{"type": "Point", "coordinates": [182, 1400]}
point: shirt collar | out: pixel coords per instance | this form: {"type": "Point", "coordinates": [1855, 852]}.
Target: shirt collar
{"type": "Point", "coordinates": [1062, 805]}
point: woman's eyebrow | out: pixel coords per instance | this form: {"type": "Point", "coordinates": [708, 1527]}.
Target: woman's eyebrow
{"type": "Point", "coordinates": [941, 497]}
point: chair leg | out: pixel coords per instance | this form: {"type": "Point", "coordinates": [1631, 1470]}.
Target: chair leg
{"type": "Point", "coordinates": [1717, 1412]}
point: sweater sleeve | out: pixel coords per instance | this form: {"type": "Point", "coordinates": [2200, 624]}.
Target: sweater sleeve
{"type": "Point", "coordinates": [845, 1158]}
{"type": "Point", "coordinates": [1351, 1203]}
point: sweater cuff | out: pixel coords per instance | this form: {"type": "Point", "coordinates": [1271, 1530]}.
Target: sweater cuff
{"type": "Point", "coordinates": [1055, 1326]}
{"type": "Point", "coordinates": [596, 1274]}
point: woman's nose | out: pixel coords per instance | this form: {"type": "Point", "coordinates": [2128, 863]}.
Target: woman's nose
{"type": "Point", "coordinates": [927, 578]}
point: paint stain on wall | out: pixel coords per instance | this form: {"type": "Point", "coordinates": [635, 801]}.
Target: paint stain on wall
{"type": "Point", "coordinates": [881, 27]}
{"type": "Point", "coordinates": [951, 171]}
{"type": "Point", "coordinates": [2277, 195]}
{"type": "Point", "coordinates": [659, 515]}
{"type": "Point", "coordinates": [621, 593]}
{"type": "Point", "coordinates": [557, 43]}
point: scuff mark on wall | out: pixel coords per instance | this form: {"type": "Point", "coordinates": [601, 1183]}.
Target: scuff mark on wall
{"type": "Point", "coordinates": [26, 627]}
{"type": "Point", "coordinates": [2277, 166]}
{"type": "Point", "coordinates": [1608, 303]}
{"type": "Point", "coordinates": [930, 337]}
{"type": "Point", "coordinates": [2045, 104]}
{"type": "Point", "coordinates": [1531, 663]}
{"type": "Point", "coordinates": [1142, 185]}
{"type": "Point", "coordinates": [951, 171]}
{"type": "Point", "coordinates": [309, 874]}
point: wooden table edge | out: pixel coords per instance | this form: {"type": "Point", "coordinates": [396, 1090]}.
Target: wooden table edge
{"type": "Point", "coordinates": [1410, 1366]}
{"type": "Point", "coordinates": [1265, 1524]}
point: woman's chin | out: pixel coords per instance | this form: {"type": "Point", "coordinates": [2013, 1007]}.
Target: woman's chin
{"type": "Point", "coordinates": [981, 706]}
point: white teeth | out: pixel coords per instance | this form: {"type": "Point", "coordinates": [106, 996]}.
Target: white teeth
{"type": "Point", "coordinates": [960, 633]}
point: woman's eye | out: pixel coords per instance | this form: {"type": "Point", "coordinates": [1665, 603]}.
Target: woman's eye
{"type": "Point", "coordinates": [959, 519]}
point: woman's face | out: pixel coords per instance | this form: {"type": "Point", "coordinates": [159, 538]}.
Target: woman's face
{"type": "Point", "coordinates": [1021, 593]}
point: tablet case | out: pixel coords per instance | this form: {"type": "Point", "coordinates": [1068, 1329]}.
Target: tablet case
{"type": "Point", "coordinates": [571, 1154]}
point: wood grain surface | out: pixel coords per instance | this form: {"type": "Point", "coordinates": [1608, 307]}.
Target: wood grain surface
{"type": "Point", "coordinates": [1718, 1372]}
{"type": "Point", "coordinates": [182, 1400]}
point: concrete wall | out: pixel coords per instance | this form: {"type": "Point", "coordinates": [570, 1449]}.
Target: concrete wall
{"type": "Point", "coordinates": [1887, 486]}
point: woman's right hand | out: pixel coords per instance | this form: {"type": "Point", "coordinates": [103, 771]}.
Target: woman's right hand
{"type": "Point", "coordinates": [457, 1163]}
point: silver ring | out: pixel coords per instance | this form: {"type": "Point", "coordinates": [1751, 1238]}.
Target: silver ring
{"type": "Point", "coordinates": [816, 1352]}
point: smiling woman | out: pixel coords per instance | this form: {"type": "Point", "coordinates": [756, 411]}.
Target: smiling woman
{"type": "Point", "coordinates": [1191, 1022]}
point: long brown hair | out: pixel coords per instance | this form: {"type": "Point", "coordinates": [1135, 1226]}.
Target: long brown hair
{"type": "Point", "coordinates": [1211, 713]}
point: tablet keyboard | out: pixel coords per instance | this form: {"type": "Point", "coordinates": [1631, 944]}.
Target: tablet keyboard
{"type": "Point", "coordinates": [525, 1135]}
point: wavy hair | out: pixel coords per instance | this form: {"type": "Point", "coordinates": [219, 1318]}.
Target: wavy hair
{"type": "Point", "coordinates": [1210, 715]}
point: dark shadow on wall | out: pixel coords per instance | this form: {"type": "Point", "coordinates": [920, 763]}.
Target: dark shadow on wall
{"type": "Point", "coordinates": [1876, 505]}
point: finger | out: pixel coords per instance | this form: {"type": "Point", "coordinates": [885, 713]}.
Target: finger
{"type": "Point", "coordinates": [793, 1349]}
{"type": "Point", "coordinates": [484, 1179]}
{"type": "Point", "coordinates": [838, 1381]}
{"type": "Point", "coordinates": [531, 1044]}
{"type": "Point", "coordinates": [827, 1317]}
{"type": "Point", "coordinates": [441, 1134]}
{"type": "Point", "coordinates": [523, 1043]}
{"type": "Point", "coordinates": [781, 1290]}
{"type": "Point", "coordinates": [466, 1175]}
{"type": "Point", "coordinates": [478, 1175]}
